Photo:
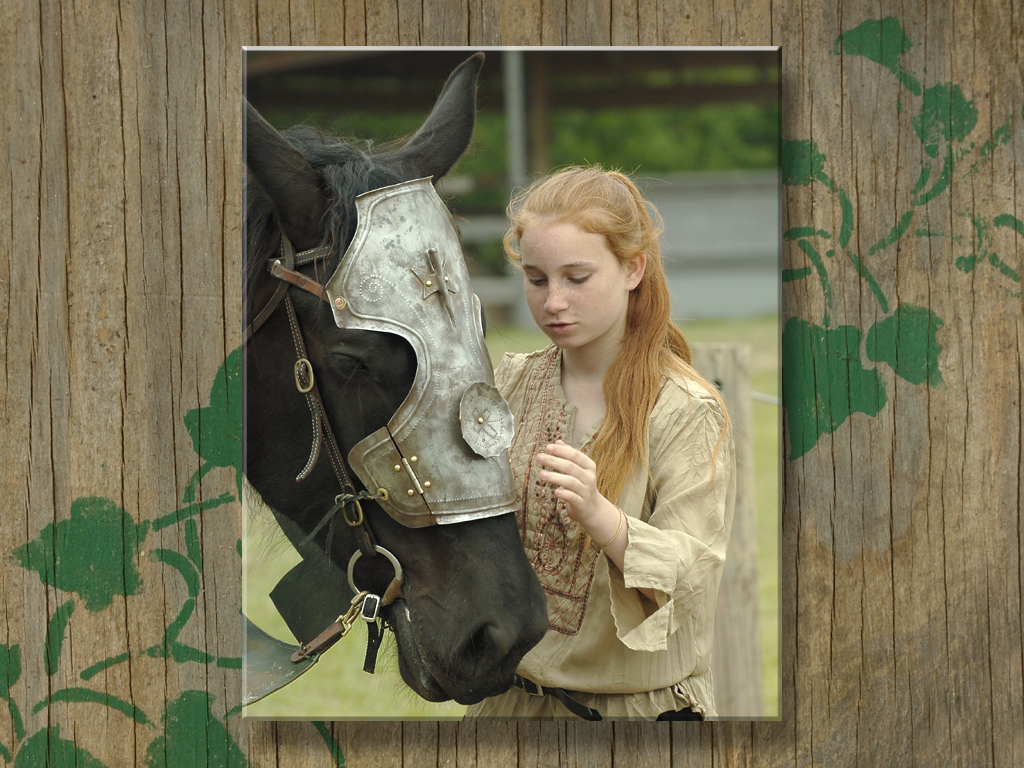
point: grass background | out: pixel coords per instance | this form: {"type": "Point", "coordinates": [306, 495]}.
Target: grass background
{"type": "Point", "coordinates": [336, 687]}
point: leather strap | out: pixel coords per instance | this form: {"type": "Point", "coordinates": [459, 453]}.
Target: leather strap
{"type": "Point", "coordinates": [576, 707]}
{"type": "Point", "coordinates": [287, 275]}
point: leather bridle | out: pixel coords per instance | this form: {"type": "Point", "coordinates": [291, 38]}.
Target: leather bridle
{"type": "Point", "coordinates": [348, 501]}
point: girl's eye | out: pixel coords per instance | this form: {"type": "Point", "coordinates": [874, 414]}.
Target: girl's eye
{"type": "Point", "coordinates": [537, 280]}
{"type": "Point", "coordinates": [579, 279]}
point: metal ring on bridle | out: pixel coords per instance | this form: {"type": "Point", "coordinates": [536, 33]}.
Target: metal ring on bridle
{"type": "Point", "coordinates": [394, 561]}
{"type": "Point", "coordinates": [300, 364]}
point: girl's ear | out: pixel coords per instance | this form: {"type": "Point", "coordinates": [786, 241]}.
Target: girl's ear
{"type": "Point", "coordinates": [635, 270]}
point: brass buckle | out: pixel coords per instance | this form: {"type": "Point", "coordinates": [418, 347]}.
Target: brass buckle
{"type": "Point", "coordinates": [299, 365]}
{"type": "Point", "coordinates": [358, 520]}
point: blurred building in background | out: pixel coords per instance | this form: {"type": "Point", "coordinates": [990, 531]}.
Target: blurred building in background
{"type": "Point", "coordinates": [711, 171]}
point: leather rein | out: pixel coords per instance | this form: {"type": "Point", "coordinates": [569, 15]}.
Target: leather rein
{"type": "Point", "coordinates": [365, 604]}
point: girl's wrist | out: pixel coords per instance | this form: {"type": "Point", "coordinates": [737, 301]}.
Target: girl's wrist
{"type": "Point", "coordinates": [605, 526]}
{"type": "Point", "coordinates": [618, 530]}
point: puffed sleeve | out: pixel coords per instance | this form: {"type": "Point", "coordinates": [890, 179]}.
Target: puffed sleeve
{"type": "Point", "coordinates": [679, 551]}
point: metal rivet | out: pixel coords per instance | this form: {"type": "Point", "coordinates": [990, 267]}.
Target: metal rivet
{"type": "Point", "coordinates": [446, 278]}
{"type": "Point", "coordinates": [398, 467]}
{"type": "Point", "coordinates": [480, 420]}
{"type": "Point", "coordinates": [339, 303]}
{"type": "Point", "coordinates": [426, 484]}
{"type": "Point", "coordinates": [412, 492]}
{"type": "Point", "coordinates": [413, 459]}
{"type": "Point", "coordinates": [429, 283]}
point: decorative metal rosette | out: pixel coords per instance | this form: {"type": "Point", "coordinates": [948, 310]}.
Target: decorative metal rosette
{"type": "Point", "coordinates": [486, 419]}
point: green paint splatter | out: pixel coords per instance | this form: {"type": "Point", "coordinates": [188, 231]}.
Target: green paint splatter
{"type": "Point", "coordinates": [794, 233]}
{"type": "Point", "coordinates": [819, 266]}
{"type": "Point", "coordinates": [182, 565]}
{"type": "Point", "coordinates": [894, 234]}
{"type": "Point", "coordinates": [946, 116]}
{"type": "Point", "coordinates": [89, 696]}
{"type": "Point", "coordinates": [171, 647]}
{"type": "Point", "coordinates": [55, 635]}
{"type": "Point", "coordinates": [1004, 268]}
{"type": "Point", "coordinates": [847, 227]}
{"type": "Point", "coordinates": [10, 673]}
{"type": "Point", "coordinates": [863, 271]}
{"type": "Point", "coordinates": [1006, 220]}
{"type": "Point", "coordinates": [99, 666]}
{"type": "Point", "coordinates": [941, 183]}
{"type": "Point", "coordinates": [966, 264]}
{"type": "Point", "coordinates": [46, 749]}
{"type": "Point", "coordinates": [791, 275]}
{"type": "Point", "coordinates": [922, 179]}
{"type": "Point", "coordinates": [802, 163]}
{"type": "Point", "coordinates": [190, 510]}
{"type": "Point", "coordinates": [1001, 135]}
{"type": "Point", "coordinates": [983, 241]}
{"type": "Point", "coordinates": [193, 547]}
{"type": "Point", "coordinates": [823, 382]}
{"type": "Point", "coordinates": [10, 668]}
{"type": "Point", "coordinates": [216, 429]}
{"type": "Point", "coordinates": [907, 342]}
{"type": "Point", "coordinates": [332, 743]}
{"type": "Point", "coordinates": [91, 554]}
{"type": "Point", "coordinates": [193, 737]}
{"type": "Point", "coordinates": [882, 41]}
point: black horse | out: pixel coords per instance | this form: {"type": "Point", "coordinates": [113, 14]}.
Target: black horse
{"type": "Point", "coordinates": [472, 605]}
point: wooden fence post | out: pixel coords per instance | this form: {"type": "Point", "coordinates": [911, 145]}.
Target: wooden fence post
{"type": "Point", "coordinates": [736, 654]}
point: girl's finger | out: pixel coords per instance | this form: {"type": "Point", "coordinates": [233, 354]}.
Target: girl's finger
{"type": "Point", "coordinates": [565, 481]}
{"type": "Point", "coordinates": [558, 464]}
{"type": "Point", "coordinates": [558, 448]}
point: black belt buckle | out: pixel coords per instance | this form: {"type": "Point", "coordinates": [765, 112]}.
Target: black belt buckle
{"type": "Point", "coordinates": [529, 686]}
{"type": "Point", "coordinates": [370, 609]}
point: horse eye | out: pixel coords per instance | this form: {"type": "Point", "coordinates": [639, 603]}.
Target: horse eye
{"type": "Point", "coordinates": [348, 359]}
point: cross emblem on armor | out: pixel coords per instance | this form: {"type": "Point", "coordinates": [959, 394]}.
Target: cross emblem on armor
{"type": "Point", "coordinates": [436, 281]}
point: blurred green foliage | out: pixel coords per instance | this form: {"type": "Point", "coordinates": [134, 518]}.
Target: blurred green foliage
{"type": "Point", "coordinates": [644, 140]}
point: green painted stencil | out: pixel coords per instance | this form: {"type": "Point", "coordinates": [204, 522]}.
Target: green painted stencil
{"type": "Point", "coordinates": [93, 554]}
{"type": "Point", "coordinates": [46, 749]}
{"type": "Point", "coordinates": [193, 737]}
{"type": "Point", "coordinates": [824, 380]}
{"type": "Point", "coordinates": [216, 429]}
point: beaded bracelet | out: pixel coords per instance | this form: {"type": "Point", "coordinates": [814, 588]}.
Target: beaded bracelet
{"type": "Point", "coordinates": [618, 528]}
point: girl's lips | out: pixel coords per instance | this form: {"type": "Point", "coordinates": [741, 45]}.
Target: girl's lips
{"type": "Point", "coordinates": [560, 327]}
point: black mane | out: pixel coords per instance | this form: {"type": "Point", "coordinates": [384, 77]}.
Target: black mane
{"type": "Point", "coordinates": [348, 172]}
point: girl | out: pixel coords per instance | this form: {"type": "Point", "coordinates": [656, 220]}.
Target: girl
{"type": "Point", "coordinates": [623, 461]}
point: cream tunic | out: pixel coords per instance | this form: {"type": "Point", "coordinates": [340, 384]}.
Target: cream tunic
{"type": "Point", "coordinates": [626, 656]}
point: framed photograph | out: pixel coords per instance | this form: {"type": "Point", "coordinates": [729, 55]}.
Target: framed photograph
{"type": "Point", "coordinates": [398, 519]}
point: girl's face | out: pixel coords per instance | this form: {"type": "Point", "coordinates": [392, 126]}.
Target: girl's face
{"type": "Point", "coordinates": [576, 290]}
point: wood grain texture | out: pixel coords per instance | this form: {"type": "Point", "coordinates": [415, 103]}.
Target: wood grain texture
{"type": "Point", "coordinates": [736, 651]}
{"type": "Point", "coordinates": [903, 568]}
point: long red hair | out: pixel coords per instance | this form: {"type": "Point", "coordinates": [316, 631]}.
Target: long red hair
{"type": "Point", "coordinates": [609, 203]}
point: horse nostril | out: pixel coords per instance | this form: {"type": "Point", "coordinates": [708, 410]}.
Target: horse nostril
{"type": "Point", "coordinates": [489, 644]}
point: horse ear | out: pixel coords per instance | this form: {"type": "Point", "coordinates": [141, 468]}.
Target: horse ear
{"type": "Point", "coordinates": [294, 186]}
{"type": "Point", "coordinates": [442, 139]}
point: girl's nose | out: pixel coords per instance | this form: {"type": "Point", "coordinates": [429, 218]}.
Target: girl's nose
{"type": "Point", "coordinates": [555, 300]}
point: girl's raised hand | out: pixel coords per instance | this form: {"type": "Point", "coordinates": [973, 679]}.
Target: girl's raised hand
{"type": "Point", "coordinates": [575, 474]}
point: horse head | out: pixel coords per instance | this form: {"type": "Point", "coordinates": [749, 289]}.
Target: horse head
{"type": "Point", "coordinates": [470, 606]}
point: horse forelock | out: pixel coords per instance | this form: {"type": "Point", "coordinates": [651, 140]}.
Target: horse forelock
{"type": "Point", "coordinates": [348, 170]}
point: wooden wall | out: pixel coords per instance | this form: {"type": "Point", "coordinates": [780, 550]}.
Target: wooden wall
{"type": "Point", "coordinates": [119, 300]}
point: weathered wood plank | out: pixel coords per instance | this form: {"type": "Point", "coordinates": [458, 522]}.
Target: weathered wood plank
{"type": "Point", "coordinates": [736, 651]}
{"type": "Point", "coordinates": [902, 580]}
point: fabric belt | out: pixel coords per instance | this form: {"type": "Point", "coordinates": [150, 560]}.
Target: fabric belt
{"type": "Point", "coordinates": [577, 708]}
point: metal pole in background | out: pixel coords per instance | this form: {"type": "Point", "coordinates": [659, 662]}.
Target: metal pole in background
{"type": "Point", "coordinates": [515, 116]}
